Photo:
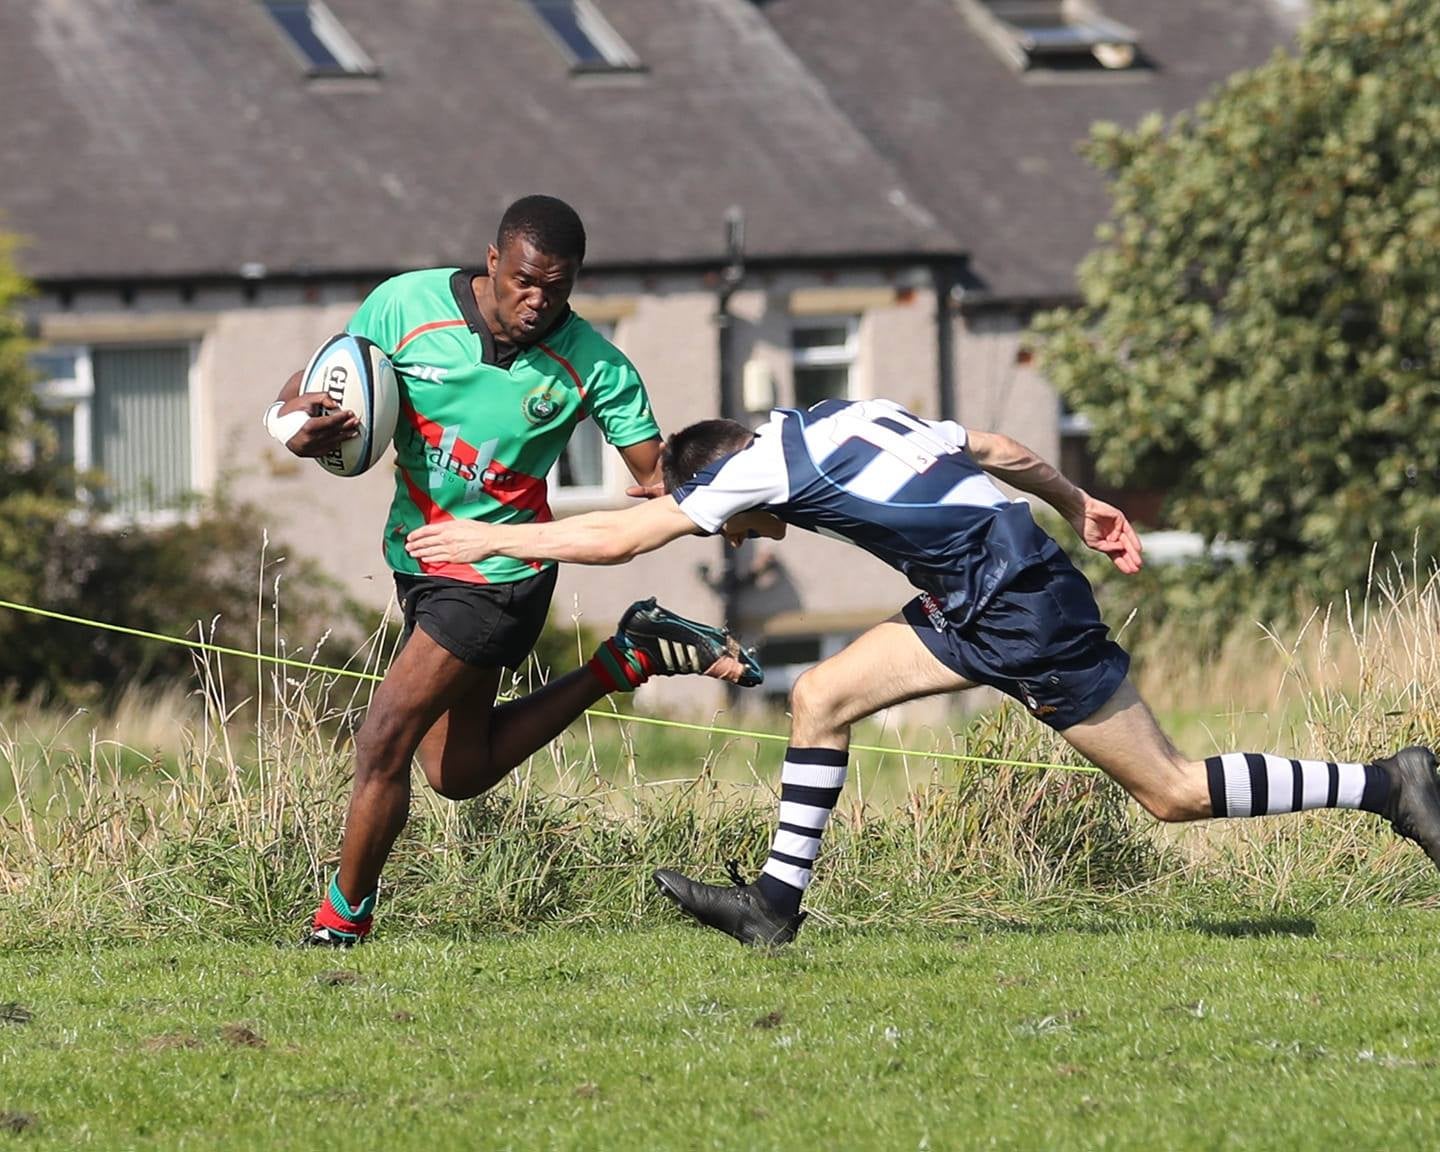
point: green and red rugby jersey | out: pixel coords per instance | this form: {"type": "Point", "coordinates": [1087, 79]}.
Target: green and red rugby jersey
{"type": "Point", "coordinates": [475, 440]}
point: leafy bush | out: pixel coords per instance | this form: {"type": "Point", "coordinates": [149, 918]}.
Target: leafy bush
{"type": "Point", "coordinates": [1259, 331]}
{"type": "Point", "coordinates": [199, 580]}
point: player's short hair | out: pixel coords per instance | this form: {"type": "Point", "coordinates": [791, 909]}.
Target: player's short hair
{"type": "Point", "coordinates": [550, 224]}
{"type": "Point", "coordinates": [699, 446]}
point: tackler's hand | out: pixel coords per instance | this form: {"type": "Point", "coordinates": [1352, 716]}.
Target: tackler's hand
{"type": "Point", "coordinates": [726, 668]}
{"type": "Point", "coordinates": [752, 525]}
{"type": "Point", "coordinates": [453, 542]}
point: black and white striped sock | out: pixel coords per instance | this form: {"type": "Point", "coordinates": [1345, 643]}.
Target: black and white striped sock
{"type": "Point", "coordinates": [810, 783]}
{"type": "Point", "coordinates": [1258, 784]}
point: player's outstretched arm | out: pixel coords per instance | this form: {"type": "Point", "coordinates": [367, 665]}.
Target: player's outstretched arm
{"type": "Point", "coordinates": [594, 538]}
{"type": "Point", "coordinates": [1101, 526]}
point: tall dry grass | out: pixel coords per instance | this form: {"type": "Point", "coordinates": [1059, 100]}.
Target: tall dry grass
{"type": "Point", "coordinates": [176, 815]}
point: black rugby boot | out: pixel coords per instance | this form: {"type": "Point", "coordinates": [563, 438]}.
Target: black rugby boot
{"type": "Point", "coordinates": [1414, 807]}
{"type": "Point", "coordinates": [739, 910]}
{"type": "Point", "coordinates": [671, 645]}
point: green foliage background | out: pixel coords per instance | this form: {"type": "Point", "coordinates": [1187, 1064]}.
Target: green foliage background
{"type": "Point", "coordinates": [56, 556]}
{"type": "Point", "coordinates": [1260, 331]}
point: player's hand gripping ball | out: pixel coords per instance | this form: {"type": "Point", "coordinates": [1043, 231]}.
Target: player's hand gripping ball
{"type": "Point", "coordinates": [359, 377]}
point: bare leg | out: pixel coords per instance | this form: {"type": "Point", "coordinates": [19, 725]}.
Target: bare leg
{"type": "Point", "coordinates": [469, 750]}
{"type": "Point", "coordinates": [1124, 740]}
{"type": "Point", "coordinates": [421, 686]}
{"type": "Point", "coordinates": [885, 666]}
{"type": "Point", "coordinates": [433, 702]}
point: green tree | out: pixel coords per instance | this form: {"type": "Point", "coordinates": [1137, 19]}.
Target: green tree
{"type": "Point", "coordinates": [53, 555]}
{"type": "Point", "coordinates": [1260, 331]}
{"type": "Point", "coordinates": [33, 490]}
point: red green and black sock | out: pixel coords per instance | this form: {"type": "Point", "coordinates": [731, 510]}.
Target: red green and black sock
{"type": "Point", "coordinates": [337, 914]}
{"type": "Point", "coordinates": [618, 668]}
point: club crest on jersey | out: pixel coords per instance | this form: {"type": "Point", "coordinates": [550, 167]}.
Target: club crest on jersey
{"type": "Point", "coordinates": [540, 405]}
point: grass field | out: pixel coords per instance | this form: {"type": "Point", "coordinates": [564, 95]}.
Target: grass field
{"type": "Point", "coordinates": [1272, 1033]}
{"type": "Point", "coordinates": [999, 957]}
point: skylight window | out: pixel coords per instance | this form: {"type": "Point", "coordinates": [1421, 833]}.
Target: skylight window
{"type": "Point", "coordinates": [319, 38]}
{"type": "Point", "coordinates": [1060, 35]}
{"type": "Point", "coordinates": [585, 36]}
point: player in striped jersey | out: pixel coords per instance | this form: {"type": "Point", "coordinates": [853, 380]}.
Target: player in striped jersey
{"type": "Point", "coordinates": [999, 604]}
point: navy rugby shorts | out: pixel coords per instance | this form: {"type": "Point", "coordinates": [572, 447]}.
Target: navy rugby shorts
{"type": "Point", "coordinates": [1040, 639]}
{"type": "Point", "coordinates": [487, 625]}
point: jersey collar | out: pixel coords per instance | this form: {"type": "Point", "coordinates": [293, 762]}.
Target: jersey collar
{"type": "Point", "coordinates": [500, 353]}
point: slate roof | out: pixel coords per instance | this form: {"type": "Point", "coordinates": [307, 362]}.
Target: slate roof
{"type": "Point", "coordinates": [180, 138]}
{"type": "Point", "coordinates": [993, 155]}
{"type": "Point", "coordinates": [168, 138]}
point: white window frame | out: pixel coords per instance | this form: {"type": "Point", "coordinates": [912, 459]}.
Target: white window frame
{"type": "Point", "coordinates": [845, 355]}
{"type": "Point", "coordinates": [1070, 31]}
{"type": "Point", "coordinates": [572, 496]}
{"type": "Point", "coordinates": [618, 55]}
{"type": "Point", "coordinates": [79, 391]}
{"type": "Point", "coordinates": [587, 495]}
{"type": "Point", "coordinates": [327, 29]}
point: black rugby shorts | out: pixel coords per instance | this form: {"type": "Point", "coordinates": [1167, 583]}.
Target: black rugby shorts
{"type": "Point", "coordinates": [487, 625]}
{"type": "Point", "coordinates": [1040, 640]}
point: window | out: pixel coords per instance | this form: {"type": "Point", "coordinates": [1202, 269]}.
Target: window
{"type": "Point", "coordinates": [123, 415]}
{"type": "Point", "coordinates": [320, 39]}
{"type": "Point", "coordinates": [585, 36]}
{"type": "Point", "coordinates": [581, 467]}
{"type": "Point", "coordinates": [784, 658]}
{"type": "Point", "coordinates": [823, 355]}
{"type": "Point", "coordinates": [1054, 35]}
{"type": "Point", "coordinates": [582, 464]}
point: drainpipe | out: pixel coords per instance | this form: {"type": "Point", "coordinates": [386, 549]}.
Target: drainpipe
{"type": "Point", "coordinates": [946, 283]}
{"type": "Point", "coordinates": [731, 404]}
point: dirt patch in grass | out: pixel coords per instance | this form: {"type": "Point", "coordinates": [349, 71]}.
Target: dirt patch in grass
{"type": "Point", "coordinates": [13, 1013]}
{"type": "Point", "coordinates": [11, 1121]}
{"type": "Point", "coordinates": [241, 1036]}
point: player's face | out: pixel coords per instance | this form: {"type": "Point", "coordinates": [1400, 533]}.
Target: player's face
{"type": "Point", "coordinates": [531, 289]}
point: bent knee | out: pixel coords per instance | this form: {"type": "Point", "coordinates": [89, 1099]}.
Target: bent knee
{"type": "Point", "coordinates": [454, 790]}
{"type": "Point", "coordinates": [1173, 804]}
{"type": "Point", "coordinates": [816, 694]}
{"type": "Point", "coordinates": [383, 749]}
{"type": "Point", "coordinates": [1165, 808]}
{"type": "Point", "coordinates": [458, 780]}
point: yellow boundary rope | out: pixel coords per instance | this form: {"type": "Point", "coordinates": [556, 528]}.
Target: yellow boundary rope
{"type": "Point", "coordinates": [655, 721]}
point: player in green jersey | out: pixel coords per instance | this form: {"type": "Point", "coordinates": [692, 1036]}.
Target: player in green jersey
{"type": "Point", "coordinates": [495, 371]}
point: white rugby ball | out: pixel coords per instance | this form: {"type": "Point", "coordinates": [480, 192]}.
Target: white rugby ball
{"type": "Point", "coordinates": [361, 379]}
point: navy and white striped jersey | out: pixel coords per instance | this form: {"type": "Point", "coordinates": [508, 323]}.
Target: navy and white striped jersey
{"type": "Point", "coordinates": [904, 489]}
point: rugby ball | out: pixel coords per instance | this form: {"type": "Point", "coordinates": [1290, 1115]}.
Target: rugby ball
{"type": "Point", "coordinates": [361, 379]}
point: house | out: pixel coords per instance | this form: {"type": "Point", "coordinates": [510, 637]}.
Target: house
{"type": "Point", "coordinates": [205, 189]}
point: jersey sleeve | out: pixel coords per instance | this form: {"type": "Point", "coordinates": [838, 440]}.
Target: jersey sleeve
{"type": "Point", "coordinates": [751, 478]}
{"type": "Point", "coordinates": [952, 433]}
{"type": "Point", "coordinates": [616, 399]}
{"type": "Point", "coordinates": [379, 318]}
